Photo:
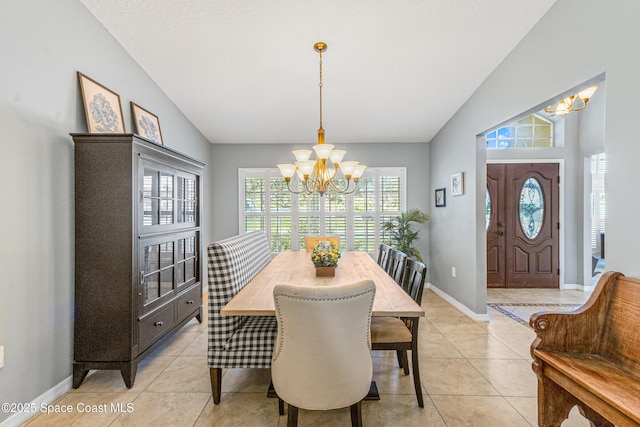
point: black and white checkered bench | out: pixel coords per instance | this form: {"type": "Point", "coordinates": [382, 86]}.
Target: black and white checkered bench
{"type": "Point", "coordinates": [237, 341]}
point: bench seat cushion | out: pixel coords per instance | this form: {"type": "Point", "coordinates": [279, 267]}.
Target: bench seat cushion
{"type": "Point", "coordinates": [257, 333]}
{"type": "Point", "coordinates": [250, 346]}
{"type": "Point", "coordinates": [597, 379]}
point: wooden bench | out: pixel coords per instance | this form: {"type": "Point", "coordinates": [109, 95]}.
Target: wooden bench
{"type": "Point", "coordinates": [236, 341]}
{"type": "Point", "coordinates": [591, 357]}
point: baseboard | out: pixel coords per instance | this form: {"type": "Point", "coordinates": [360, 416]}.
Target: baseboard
{"type": "Point", "coordinates": [43, 400]}
{"type": "Point", "coordinates": [577, 287]}
{"type": "Point", "coordinates": [483, 318]}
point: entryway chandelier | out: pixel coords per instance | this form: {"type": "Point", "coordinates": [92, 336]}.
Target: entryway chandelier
{"type": "Point", "coordinates": [569, 104]}
{"type": "Point", "coordinates": [319, 175]}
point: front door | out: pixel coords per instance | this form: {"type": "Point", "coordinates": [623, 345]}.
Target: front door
{"type": "Point", "coordinates": [523, 225]}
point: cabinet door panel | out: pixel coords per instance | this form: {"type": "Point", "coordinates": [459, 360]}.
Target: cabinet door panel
{"type": "Point", "coordinates": [168, 198]}
{"type": "Point", "coordinates": [151, 288]}
{"type": "Point", "coordinates": [187, 264]}
{"type": "Point", "coordinates": [157, 188]}
{"type": "Point", "coordinates": [187, 209]}
{"type": "Point", "coordinates": [157, 271]}
{"type": "Point", "coordinates": [168, 263]}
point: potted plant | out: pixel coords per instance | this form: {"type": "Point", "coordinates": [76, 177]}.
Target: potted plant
{"type": "Point", "coordinates": [401, 231]}
{"type": "Point", "coordinates": [325, 258]}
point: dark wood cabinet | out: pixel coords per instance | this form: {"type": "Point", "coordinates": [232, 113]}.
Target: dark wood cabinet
{"type": "Point", "coordinates": [137, 249]}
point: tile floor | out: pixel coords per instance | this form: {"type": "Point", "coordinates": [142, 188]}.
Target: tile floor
{"type": "Point", "coordinates": [473, 374]}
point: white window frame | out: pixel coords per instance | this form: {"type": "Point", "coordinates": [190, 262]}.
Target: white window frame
{"type": "Point", "coordinates": [376, 172]}
{"type": "Point", "coordinates": [515, 124]}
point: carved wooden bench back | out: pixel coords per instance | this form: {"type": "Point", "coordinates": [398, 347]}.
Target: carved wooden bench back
{"type": "Point", "coordinates": [590, 357]}
{"type": "Point", "coordinates": [620, 342]}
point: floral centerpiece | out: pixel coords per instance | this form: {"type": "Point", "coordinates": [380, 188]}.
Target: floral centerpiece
{"type": "Point", "coordinates": [325, 258]}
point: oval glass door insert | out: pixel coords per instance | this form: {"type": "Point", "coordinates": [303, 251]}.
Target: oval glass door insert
{"type": "Point", "coordinates": [531, 208]}
{"type": "Point", "coordinates": [488, 209]}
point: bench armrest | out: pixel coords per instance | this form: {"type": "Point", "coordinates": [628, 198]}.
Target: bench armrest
{"type": "Point", "coordinates": [575, 331]}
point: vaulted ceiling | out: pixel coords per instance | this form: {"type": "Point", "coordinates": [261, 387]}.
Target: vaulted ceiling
{"type": "Point", "coordinates": [245, 71]}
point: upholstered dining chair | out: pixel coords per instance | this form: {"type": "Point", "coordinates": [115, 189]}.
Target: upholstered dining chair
{"type": "Point", "coordinates": [383, 255]}
{"type": "Point", "coordinates": [322, 354]}
{"type": "Point", "coordinates": [311, 242]}
{"type": "Point", "coordinates": [395, 264]}
{"type": "Point", "coordinates": [401, 334]}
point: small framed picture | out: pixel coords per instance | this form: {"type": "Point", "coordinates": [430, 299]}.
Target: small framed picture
{"type": "Point", "coordinates": [441, 197]}
{"type": "Point", "coordinates": [147, 123]}
{"type": "Point", "coordinates": [101, 107]}
{"type": "Point", "coordinates": [457, 184]}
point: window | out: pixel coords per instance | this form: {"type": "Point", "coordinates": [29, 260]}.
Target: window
{"type": "Point", "coordinates": [268, 205]}
{"type": "Point", "coordinates": [530, 132]}
{"type": "Point", "coordinates": [531, 208]}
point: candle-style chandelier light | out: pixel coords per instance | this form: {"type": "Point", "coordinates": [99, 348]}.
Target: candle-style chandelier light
{"type": "Point", "coordinates": [318, 175]}
{"type": "Point", "coordinates": [571, 103]}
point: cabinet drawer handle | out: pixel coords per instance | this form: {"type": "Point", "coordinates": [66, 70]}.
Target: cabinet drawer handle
{"type": "Point", "coordinates": [158, 323]}
{"type": "Point", "coordinates": [190, 301]}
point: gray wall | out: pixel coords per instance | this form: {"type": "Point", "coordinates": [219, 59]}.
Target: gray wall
{"type": "Point", "coordinates": [227, 158]}
{"type": "Point", "coordinates": [42, 45]}
{"type": "Point", "coordinates": [538, 69]}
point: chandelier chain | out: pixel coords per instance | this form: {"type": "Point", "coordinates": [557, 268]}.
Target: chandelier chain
{"type": "Point", "coordinates": [320, 86]}
{"type": "Point", "coordinates": [317, 176]}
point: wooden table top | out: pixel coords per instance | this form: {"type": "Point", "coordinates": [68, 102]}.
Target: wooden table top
{"type": "Point", "coordinates": [256, 298]}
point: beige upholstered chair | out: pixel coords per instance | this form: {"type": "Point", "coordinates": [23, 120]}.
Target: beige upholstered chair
{"type": "Point", "coordinates": [392, 333]}
{"type": "Point", "coordinates": [311, 242]}
{"type": "Point", "coordinates": [322, 354]}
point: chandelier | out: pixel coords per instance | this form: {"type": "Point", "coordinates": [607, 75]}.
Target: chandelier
{"type": "Point", "coordinates": [571, 103]}
{"type": "Point", "coordinates": [319, 175]}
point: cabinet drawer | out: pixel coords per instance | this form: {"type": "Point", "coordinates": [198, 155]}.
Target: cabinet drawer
{"type": "Point", "coordinates": [156, 325]}
{"type": "Point", "coordinates": [188, 302]}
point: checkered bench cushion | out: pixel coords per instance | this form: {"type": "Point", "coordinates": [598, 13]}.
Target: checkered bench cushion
{"type": "Point", "coordinates": [238, 341]}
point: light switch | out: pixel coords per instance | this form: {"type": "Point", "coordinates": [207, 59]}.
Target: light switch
{"type": "Point", "coordinates": [1, 356]}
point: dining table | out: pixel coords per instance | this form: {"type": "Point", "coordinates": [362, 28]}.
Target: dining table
{"type": "Point", "coordinates": [293, 267]}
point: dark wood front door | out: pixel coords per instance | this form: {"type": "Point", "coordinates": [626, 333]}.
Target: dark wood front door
{"type": "Point", "coordinates": [523, 225]}
{"type": "Point", "coordinates": [496, 261]}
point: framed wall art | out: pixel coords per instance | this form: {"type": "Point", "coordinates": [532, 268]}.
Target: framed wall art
{"type": "Point", "coordinates": [101, 107]}
{"type": "Point", "coordinates": [147, 123]}
{"type": "Point", "coordinates": [441, 197]}
{"type": "Point", "coordinates": [457, 184]}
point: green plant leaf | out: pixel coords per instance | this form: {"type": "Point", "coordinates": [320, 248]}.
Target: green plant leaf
{"type": "Point", "coordinates": [401, 232]}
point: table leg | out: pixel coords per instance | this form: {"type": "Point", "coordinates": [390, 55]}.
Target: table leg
{"type": "Point", "coordinates": [373, 392]}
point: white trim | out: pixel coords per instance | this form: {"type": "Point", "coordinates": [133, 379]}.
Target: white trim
{"type": "Point", "coordinates": [483, 318]}
{"type": "Point", "coordinates": [45, 399]}
{"type": "Point", "coordinates": [577, 287]}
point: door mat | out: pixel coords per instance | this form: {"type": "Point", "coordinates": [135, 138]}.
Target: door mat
{"type": "Point", "coordinates": [507, 308]}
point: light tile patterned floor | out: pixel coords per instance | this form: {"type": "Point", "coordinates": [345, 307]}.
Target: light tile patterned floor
{"type": "Point", "coordinates": [473, 374]}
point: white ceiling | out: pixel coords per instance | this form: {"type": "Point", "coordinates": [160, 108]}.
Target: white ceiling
{"type": "Point", "coordinates": [245, 71]}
